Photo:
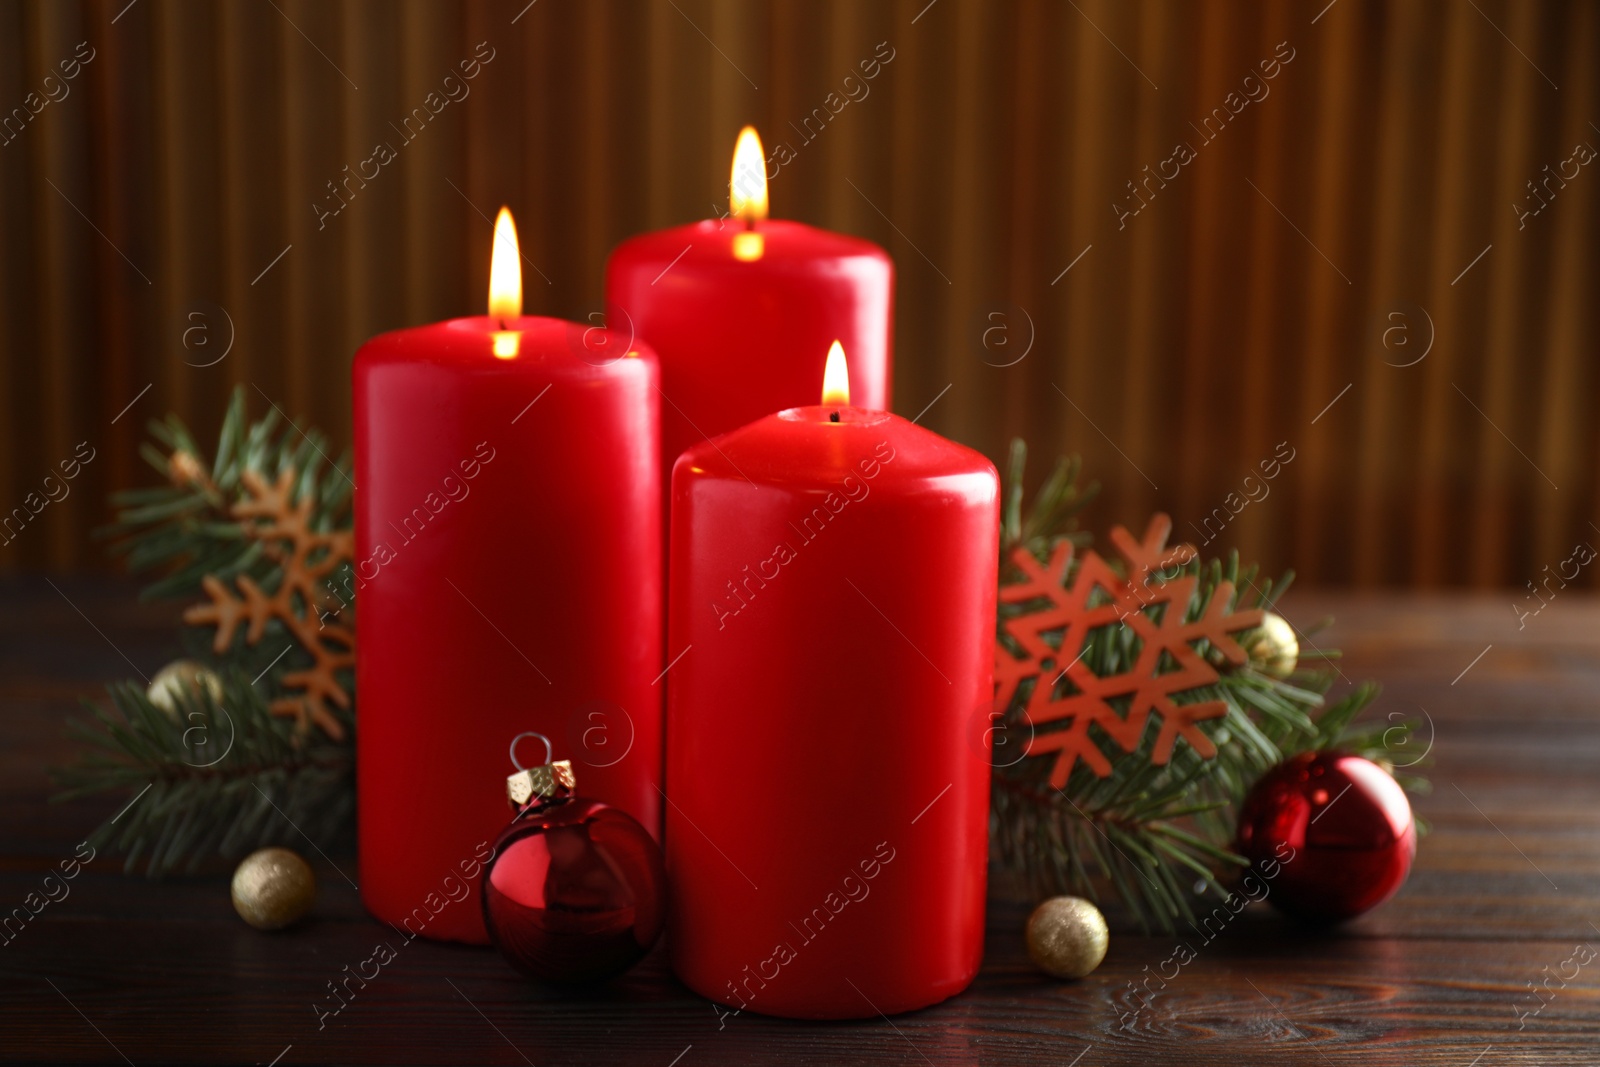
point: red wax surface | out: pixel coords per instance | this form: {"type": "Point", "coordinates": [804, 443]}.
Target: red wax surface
{"type": "Point", "coordinates": [509, 560]}
{"type": "Point", "coordinates": [833, 599]}
{"type": "Point", "coordinates": [741, 339]}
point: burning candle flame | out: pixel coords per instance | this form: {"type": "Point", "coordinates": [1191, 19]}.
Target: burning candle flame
{"type": "Point", "coordinates": [747, 187]}
{"type": "Point", "coordinates": [836, 379]}
{"type": "Point", "coordinates": [505, 285]}
{"type": "Point", "coordinates": [505, 271]}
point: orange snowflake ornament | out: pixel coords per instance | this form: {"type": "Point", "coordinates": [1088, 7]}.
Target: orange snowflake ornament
{"type": "Point", "coordinates": [271, 516]}
{"type": "Point", "coordinates": [1153, 608]}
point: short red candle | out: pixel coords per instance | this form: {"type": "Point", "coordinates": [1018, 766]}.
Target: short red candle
{"type": "Point", "coordinates": [741, 311]}
{"type": "Point", "coordinates": [832, 601]}
{"type": "Point", "coordinates": [509, 579]}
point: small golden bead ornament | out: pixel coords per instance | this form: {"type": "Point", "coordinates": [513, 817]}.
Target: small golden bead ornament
{"type": "Point", "coordinates": [1067, 937]}
{"type": "Point", "coordinates": [182, 679]}
{"type": "Point", "coordinates": [1274, 650]}
{"type": "Point", "coordinates": [273, 888]}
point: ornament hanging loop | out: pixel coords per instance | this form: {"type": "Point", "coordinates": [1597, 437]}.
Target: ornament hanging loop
{"type": "Point", "coordinates": [549, 752]}
{"type": "Point", "coordinates": [534, 786]}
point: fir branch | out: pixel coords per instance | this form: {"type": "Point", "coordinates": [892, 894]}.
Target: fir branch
{"type": "Point", "coordinates": [213, 777]}
{"type": "Point", "coordinates": [184, 528]}
{"type": "Point", "coordinates": [227, 776]}
{"type": "Point", "coordinates": [1145, 835]}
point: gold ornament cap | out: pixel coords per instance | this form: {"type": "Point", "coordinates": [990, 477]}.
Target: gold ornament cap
{"type": "Point", "coordinates": [551, 780]}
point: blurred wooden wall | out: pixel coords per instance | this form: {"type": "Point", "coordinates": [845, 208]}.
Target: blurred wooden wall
{"type": "Point", "coordinates": [1182, 347]}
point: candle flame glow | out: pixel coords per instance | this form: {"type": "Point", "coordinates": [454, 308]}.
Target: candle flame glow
{"type": "Point", "coordinates": [505, 271]}
{"type": "Point", "coordinates": [836, 379]}
{"type": "Point", "coordinates": [747, 187]}
{"type": "Point", "coordinates": [748, 246]}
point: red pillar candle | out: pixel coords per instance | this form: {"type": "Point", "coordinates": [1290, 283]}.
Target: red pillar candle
{"type": "Point", "coordinates": [741, 311]}
{"type": "Point", "coordinates": [832, 610]}
{"type": "Point", "coordinates": [509, 578]}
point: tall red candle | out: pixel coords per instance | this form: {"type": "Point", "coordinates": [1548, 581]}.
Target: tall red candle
{"type": "Point", "coordinates": [509, 579]}
{"type": "Point", "coordinates": [832, 607]}
{"type": "Point", "coordinates": [741, 311]}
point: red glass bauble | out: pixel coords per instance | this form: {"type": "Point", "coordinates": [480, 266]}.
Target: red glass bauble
{"type": "Point", "coordinates": [576, 891]}
{"type": "Point", "coordinates": [1330, 834]}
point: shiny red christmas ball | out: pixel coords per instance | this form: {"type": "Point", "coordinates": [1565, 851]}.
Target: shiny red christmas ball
{"type": "Point", "coordinates": [575, 893]}
{"type": "Point", "coordinates": [1331, 835]}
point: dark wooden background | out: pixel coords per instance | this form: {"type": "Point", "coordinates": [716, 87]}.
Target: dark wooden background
{"type": "Point", "coordinates": [1503, 891]}
{"type": "Point", "coordinates": [1378, 177]}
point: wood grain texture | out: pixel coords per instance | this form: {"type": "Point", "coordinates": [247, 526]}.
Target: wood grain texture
{"type": "Point", "coordinates": [1504, 887]}
{"type": "Point", "coordinates": [995, 148]}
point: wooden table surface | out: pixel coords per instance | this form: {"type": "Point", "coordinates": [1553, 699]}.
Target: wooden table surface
{"type": "Point", "coordinates": [1504, 893]}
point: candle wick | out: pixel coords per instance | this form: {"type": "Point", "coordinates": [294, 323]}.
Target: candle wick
{"type": "Point", "coordinates": [833, 416]}
{"type": "Point", "coordinates": [749, 222]}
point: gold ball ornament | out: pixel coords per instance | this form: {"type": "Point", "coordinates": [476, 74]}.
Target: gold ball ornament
{"type": "Point", "coordinates": [184, 469]}
{"type": "Point", "coordinates": [182, 678]}
{"type": "Point", "coordinates": [1273, 649]}
{"type": "Point", "coordinates": [1067, 937]}
{"type": "Point", "coordinates": [273, 888]}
